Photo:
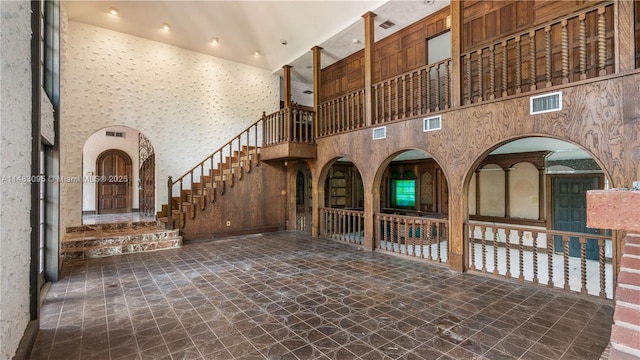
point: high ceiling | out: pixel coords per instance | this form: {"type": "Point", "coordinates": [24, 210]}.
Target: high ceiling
{"type": "Point", "coordinates": [282, 31]}
{"type": "Point", "coordinates": [244, 27]}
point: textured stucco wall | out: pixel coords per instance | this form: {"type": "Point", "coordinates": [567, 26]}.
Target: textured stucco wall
{"type": "Point", "coordinates": [15, 160]}
{"type": "Point", "coordinates": [188, 104]}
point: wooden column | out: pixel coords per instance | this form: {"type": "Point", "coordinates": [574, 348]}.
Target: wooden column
{"type": "Point", "coordinates": [458, 260]}
{"type": "Point", "coordinates": [317, 69]}
{"type": "Point", "coordinates": [368, 67]}
{"type": "Point", "coordinates": [624, 36]}
{"type": "Point", "coordinates": [286, 69]}
{"type": "Point", "coordinates": [458, 210]}
{"type": "Point", "coordinates": [371, 207]}
{"type": "Point", "coordinates": [456, 49]}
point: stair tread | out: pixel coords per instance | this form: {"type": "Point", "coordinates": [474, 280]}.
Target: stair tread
{"type": "Point", "coordinates": [101, 234]}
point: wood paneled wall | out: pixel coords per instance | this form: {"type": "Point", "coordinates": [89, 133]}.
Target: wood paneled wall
{"type": "Point", "coordinates": [486, 21]}
{"type": "Point", "coordinates": [595, 118]}
{"type": "Point", "coordinates": [393, 55]}
{"type": "Point", "coordinates": [243, 205]}
{"type": "Point", "coordinates": [406, 49]}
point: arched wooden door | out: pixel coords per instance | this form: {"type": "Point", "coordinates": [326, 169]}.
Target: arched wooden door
{"type": "Point", "coordinates": [113, 170]}
{"type": "Point", "coordinates": [147, 175]}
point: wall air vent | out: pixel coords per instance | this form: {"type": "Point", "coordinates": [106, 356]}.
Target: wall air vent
{"type": "Point", "coordinates": [432, 123]}
{"type": "Point", "coordinates": [115, 134]}
{"type": "Point", "coordinates": [380, 133]}
{"type": "Point", "coordinates": [546, 103]}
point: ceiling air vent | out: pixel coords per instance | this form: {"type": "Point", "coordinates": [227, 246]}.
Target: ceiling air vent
{"type": "Point", "coordinates": [380, 133]}
{"type": "Point", "coordinates": [432, 123]}
{"type": "Point", "coordinates": [546, 103]}
{"type": "Point", "coordinates": [387, 24]}
{"type": "Point", "coordinates": [115, 134]}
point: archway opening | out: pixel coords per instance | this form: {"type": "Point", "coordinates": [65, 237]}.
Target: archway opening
{"type": "Point", "coordinates": [131, 195]}
{"type": "Point", "coordinates": [527, 217]}
{"type": "Point", "coordinates": [304, 197]}
{"type": "Point", "coordinates": [342, 216]}
{"type": "Point", "coordinates": [414, 203]}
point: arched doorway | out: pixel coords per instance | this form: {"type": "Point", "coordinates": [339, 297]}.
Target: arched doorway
{"type": "Point", "coordinates": [113, 178]}
{"type": "Point", "coordinates": [342, 216]}
{"type": "Point", "coordinates": [303, 197]}
{"type": "Point", "coordinates": [527, 217]}
{"type": "Point", "coordinates": [141, 179]}
{"type": "Point", "coordinates": [414, 206]}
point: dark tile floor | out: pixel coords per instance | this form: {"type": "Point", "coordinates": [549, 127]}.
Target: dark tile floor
{"type": "Point", "coordinates": [289, 296]}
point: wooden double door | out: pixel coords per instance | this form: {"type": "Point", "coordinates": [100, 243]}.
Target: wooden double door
{"type": "Point", "coordinates": [570, 212]}
{"type": "Point", "coordinates": [113, 178]}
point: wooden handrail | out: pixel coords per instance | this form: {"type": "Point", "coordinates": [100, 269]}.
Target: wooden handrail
{"type": "Point", "coordinates": [292, 124]}
{"type": "Point", "coordinates": [210, 157]}
{"type": "Point", "coordinates": [408, 236]}
{"type": "Point", "coordinates": [512, 239]}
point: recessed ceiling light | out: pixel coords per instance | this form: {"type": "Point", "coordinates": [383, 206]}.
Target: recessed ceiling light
{"type": "Point", "coordinates": [215, 41]}
{"type": "Point", "coordinates": [166, 27]}
{"type": "Point", "coordinates": [355, 41]}
{"type": "Point", "coordinates": [308, 92]}
{"type": "Point", "coordinates": [283, 42]}
{"type": "Point", "coordinates": [309, 67]}
{"type": "Point", "coordinates": [113, 11]}
{"type": "Point", "coordinates": [256, 53]}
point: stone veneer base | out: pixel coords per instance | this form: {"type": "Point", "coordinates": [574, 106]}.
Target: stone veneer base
{"type": "Point", "coordinates": [104, 240]}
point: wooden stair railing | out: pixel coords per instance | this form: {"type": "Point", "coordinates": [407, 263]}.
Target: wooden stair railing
{"type": "Point", "coordinates": [210, 178]}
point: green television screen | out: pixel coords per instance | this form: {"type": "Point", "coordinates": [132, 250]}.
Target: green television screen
{"type": "Point", "coordinates": [404, 193]}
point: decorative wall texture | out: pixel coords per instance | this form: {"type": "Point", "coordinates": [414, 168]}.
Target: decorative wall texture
{"type": "Point", "coordinates": [188, 104]}
{"type": "Point", "coordinates": [15, 160]}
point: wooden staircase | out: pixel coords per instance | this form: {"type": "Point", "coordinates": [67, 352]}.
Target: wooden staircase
{"type": "Point", "coordinates": [285, 134]}
{"type": "Point", "coordinates": [206, 189]}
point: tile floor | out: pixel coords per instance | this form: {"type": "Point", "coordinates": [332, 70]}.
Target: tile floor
{"type": "Point", "coordinates": [286, 295]}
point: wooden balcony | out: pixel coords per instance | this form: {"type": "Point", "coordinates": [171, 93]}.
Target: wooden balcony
{"type": "Point", "coordinates": [289, 135]}
{"type": "Point", "coordinates": [550, 55]}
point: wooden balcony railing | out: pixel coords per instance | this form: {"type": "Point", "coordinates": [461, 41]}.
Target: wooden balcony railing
{"type": "Point", "coordinates": [573, 48]}
{"type": "Point", "coordinates": [542, 256]}
{"type": "Point", "coordinates": [343, 225]}
{"type": "Point", "coordinates": [414, 93]}
{"type": "Point", "coordinates": [303, 222]}
{"type": "Point", "coordinates": [342, 114]}
{"type": "Point", "coordinates": [426, 238]}
{"type": "Point", "coordinates": [292, 124]}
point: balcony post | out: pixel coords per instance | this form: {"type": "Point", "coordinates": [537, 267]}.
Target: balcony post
{"type": "Point", "coordinates": [170, 202]}
{"type": "Point", "coordinates": [456, 49]}
{"type": "Point", "coordinates": [286, 69]}
{"type": "Point", "coordinates": [369, 42]}
{"type": "Point", "coordinates": [317, 69]}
